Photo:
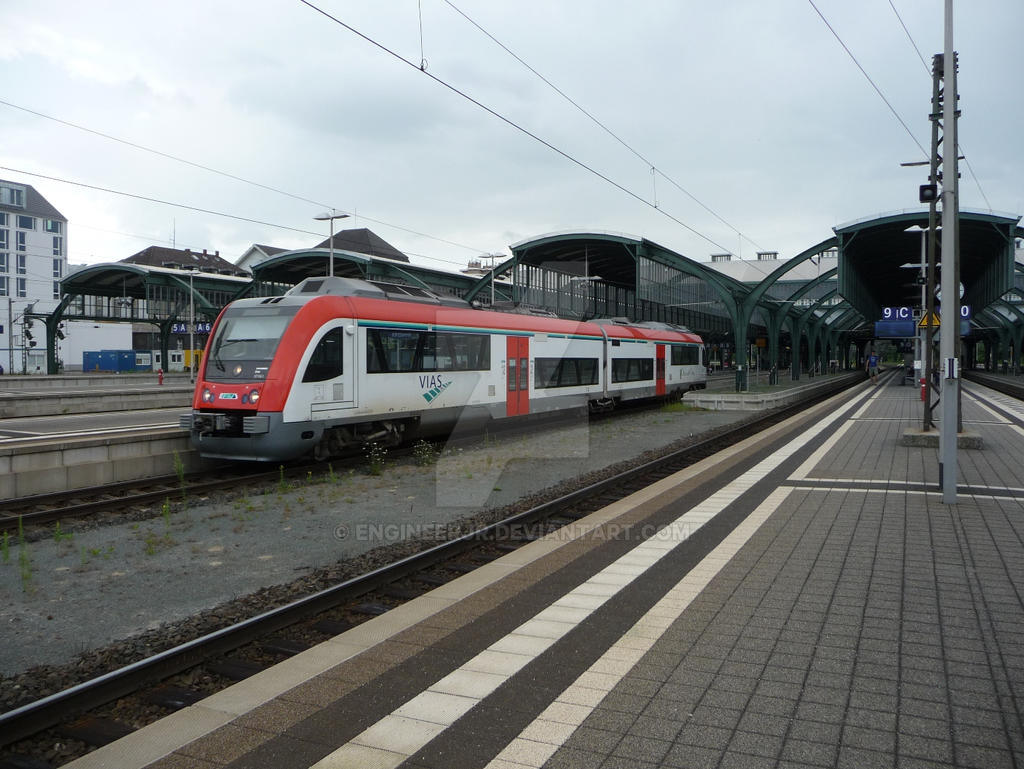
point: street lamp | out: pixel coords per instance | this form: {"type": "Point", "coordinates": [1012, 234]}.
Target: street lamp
{"type": "Point", "coordinates": [330, 216]}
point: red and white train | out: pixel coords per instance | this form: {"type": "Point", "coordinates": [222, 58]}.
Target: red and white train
{"type": "Point", "coordinates": [338, 362]}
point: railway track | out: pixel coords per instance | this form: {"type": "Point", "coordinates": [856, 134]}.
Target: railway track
{"type": "Point", "coordinates": [1003, 384]}
{"type": "Point", "coordinates": [44, 509]}
{"type": "Point", "coordinates": [27, 513]}
{"type": "Point", "coordinates": [93, 712]}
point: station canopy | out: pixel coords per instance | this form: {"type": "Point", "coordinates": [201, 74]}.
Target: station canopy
{"type": "Point", "coordinates": [880, 260]}
{"type": "Point", "coordinates": [863, 267]}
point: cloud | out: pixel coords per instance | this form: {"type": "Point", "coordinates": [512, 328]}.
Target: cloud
{"type": "Point", "coordinates": [753, 108]}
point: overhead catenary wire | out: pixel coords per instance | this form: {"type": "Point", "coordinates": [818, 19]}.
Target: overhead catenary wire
{"type": "Point", "coordinates": [654, 168]}
{"type": "Point", "coordinates": [228, 175]}
{"type": "Point", "coordinates": [928, 71]}
{"type": "Point", "coordinates": [874, 85]}
{"type": "Point", "coordinates": [511, 123]}
{"type": "Point", "coordinates": [190, 208]}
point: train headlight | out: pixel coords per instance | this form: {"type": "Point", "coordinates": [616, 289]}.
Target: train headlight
{"type": "Point", "coordinates": [237, 370]}
{"type": "Point", "coordinates": [207, 396]}
{"type": "Point", "coordinates": [254, 396]}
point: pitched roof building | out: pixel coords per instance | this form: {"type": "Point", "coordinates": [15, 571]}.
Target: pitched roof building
{"type": "Point", "coordinates": [184, 259]}
{"type": "Point", "coordinates": [364, 241]}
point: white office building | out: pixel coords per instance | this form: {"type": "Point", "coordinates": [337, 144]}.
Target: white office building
{"type": "Point", "coordinates": [33, 259]}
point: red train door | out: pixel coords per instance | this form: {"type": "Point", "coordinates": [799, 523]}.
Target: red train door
{"type": "Point", "coordinates": [659, 370]}
{"type": "Point", "coordinates": [517, 375]}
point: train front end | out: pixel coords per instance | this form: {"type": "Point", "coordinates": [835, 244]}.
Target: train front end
{"type": "Point", "coordinates": [240, 392]}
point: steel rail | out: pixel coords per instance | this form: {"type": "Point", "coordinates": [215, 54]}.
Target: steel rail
{"type": "Point", "coordinates": [45, 712]}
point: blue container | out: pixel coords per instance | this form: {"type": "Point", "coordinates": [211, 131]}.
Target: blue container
{"type": "Point", "coordinates": [117, 361]}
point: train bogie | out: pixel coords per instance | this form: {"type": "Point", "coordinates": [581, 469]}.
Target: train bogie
{"type": "Point", "coordinates": [336, 363]}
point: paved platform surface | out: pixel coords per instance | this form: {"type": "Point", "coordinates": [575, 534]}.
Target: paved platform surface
{"type": "Point", "coordinates": [802, 600]}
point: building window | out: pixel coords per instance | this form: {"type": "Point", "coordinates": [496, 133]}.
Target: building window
{"type": "Point", "coordinates": [3, 218]}
{"type": "Point", "coordinates": [56, 289]}
{"type": "Point", "coordinates": [27, 222]}
{"type": "Point", "coordinates": [52, 225]}
{"type": "Point", "coordinates": [21, 264]}
{"type": "Point", "coordinates": [20, 240]}
{"type": "Point", "coordinates": [5, 239]}
{"type": "Point", "coordinates": [58, 245]}
{"type": "Point", "coordinates": [57, 264]}
{"type": "Point", "coordinates": [22, 290]}
{"type": "Point", "coordinates": [3, 261]}
{"type": "Point", "coordinates": [3, 286]}
{"type": "Point", "coordinates": [12, 196]}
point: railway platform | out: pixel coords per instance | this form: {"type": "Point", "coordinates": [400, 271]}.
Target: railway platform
{"type": "Point", "coordinates": [803, 599]}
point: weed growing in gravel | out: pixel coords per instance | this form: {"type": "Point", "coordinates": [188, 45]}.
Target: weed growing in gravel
{"type": "Point", "coordinates": [283, 485]}
{"type": "Point", "coordinates": [165, 512]}
{"type": "Point", "coordinates": [24, 559]}
{"type": "Point", "coordinates": [245, 508]}
{"type": "Point", "coordinates": [179, 469]}
{"type": "Point", "coordinates": [677, 407]}
{"type": "Point", "coordinates": [424, 453]}
{"type": "Point", "coordinates": [375, 456]}
{"type": "Point", "coordinates": [332, 476]}
{"type": "Point", "coordinates": [154, 542]}
{"type": "Point", "coordinates": [59, 535]}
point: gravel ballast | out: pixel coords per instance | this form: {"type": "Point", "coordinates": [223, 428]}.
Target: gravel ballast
{"type": "Point", "coordinates": [83, 588]}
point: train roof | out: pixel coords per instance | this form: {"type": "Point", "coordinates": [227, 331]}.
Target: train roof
{"type": "Point", "coordinates": [394, 303]}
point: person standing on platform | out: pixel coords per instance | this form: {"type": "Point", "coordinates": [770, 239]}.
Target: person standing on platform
{"type": "Point", "coordinates": [873, 366]}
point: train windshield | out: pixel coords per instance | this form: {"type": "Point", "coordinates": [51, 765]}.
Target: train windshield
{"type": "Point", "coordinates": [245, 343]}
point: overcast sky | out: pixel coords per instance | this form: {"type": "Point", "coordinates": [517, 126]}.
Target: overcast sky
{"type": "Point", "coordinates": [753, 107]}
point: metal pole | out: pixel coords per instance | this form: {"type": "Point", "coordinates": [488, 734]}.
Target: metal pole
{"type": "Point", "coordinates": [950, 287]}
{"type": "Point", "coordinates": [10, 336]}
{"type": "Point", "coordinates": [330, 246]}
{"type": "Point", "coordinates": [933, 178]}
{"type": "Point", "coordinates": [191, 328]}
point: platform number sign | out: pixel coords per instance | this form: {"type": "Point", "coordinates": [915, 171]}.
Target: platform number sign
{"type": "Point", "coordinates": [897, 313]}
{"type": "Point", "coordinates": [200, 328]}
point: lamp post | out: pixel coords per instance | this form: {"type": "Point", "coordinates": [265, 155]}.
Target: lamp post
{"type": "Point", "coordinates": [330, 216]}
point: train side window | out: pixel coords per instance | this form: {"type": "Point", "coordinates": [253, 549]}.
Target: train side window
{"type": "Point", "coordinates": [524, 372]}
{"type": "Point", "coordinates": [326, 361]}
{"type": "Point", "coordinates": [632, 369]}
{"type": "Point", "coordinates": [512, 379]}
{"type": "Point", "coordinates": [564, 372]}
{"type": "Point", "coordinates": [400, 350]}
{"type": "Point", "coordinates": [685, 355]}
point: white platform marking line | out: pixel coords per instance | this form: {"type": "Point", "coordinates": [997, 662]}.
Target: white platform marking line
{"type": "Point", "coordinates": [440, 707]}
{"type": "Point", "coordinates": [543, 737]}
{"type": "Point", "coordinates": [1014, 409]}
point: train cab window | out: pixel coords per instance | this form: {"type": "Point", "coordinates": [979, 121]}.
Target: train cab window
{"type": "Point", "coordinates": [246, 341]}
{"type": "Point", "coordinates": [326, 361]}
